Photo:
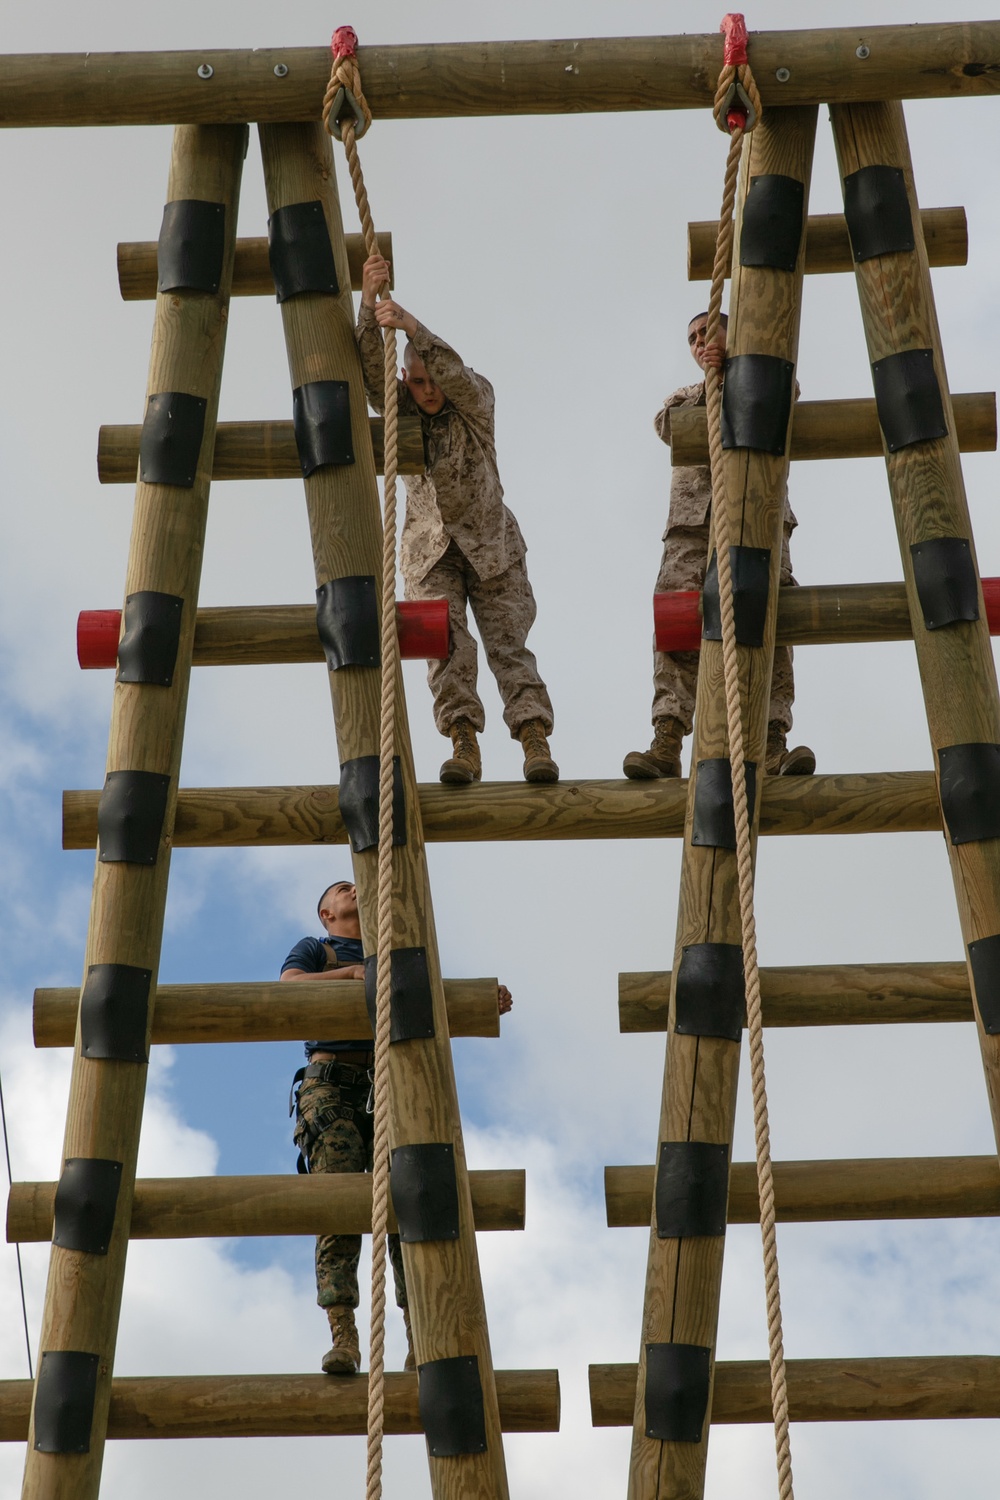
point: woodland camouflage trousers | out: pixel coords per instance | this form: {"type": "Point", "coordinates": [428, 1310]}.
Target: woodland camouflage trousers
{"type": "Point", "coordinates": [333, 1130]}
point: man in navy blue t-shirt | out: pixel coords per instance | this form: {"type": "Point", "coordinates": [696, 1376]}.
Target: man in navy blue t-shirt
{"type": "Point", "coordinates": [333, 1128]}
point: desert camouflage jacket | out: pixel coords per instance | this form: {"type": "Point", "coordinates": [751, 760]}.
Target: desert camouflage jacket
{"type": "Point", "coordinates": [691, 488]}
{"type": "Point", "coordinates": [459, 495]}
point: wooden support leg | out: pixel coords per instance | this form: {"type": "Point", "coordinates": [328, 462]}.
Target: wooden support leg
{"type": "Point", "coordinates": [684, 1272]}
{"type": "Point", "coordinates": [928, 500]}
{"type": "Point", "coordinates": [107, 1089]}
{"type": "Point", "coordinates": [443, 1281]}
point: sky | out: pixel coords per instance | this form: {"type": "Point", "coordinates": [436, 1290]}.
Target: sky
{"type": "Point", "coordinates": [551, 253]}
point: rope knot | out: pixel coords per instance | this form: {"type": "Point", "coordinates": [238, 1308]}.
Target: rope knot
{"type": "Point", "coordinates": [344, 103]}
{"type": "Point", "coordinates": [737, 103]}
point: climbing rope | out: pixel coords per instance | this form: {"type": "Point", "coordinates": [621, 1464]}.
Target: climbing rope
{"type": "Point", "coordinates": [737, 110]}
{"type": "Point", "coordinates": [347, 116]}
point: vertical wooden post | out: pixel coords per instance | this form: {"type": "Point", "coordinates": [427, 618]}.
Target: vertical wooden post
{"type": "Point", "coordinates": [955, 659]}
{"type": "Point", "coordinates": [684, 1272]}
{"type": "Point", "coordinates": [443, 1281]}
{"type": "Point", "coordinates": [83, 1296]}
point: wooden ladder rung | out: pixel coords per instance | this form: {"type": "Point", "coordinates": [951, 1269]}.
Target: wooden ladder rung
{"type": "Point", "coordinates": [816, 1192]}
{"type": "Point", "coordinates": [251, 450]}
{"type": "Point", "coordinates": [178, 1208]}
{"type": "Point", "coordinates": [821, 995]}
{"type": "Point", "coordinates": [837, 429]}
{"type": "Point", "coordinates": [237, 817]}
{"type": "Point", "coordinates": [827, 1390]}
{"type": "Point", "coordinates": [218, 1406]}
{"type": "Point", "coordinates": [267, 1011]}
{"type": "Point", "coordinates": [828, 244]}
{"type": "Point", "coordinates": [251, 267]}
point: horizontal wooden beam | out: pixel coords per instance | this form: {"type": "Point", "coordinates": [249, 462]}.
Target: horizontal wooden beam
{"type": "Point", "coordinates": [460, 79]}
{"type": "Point", "coordinates": [827, 1390]}
{"type": "Point", "coordinates": [833, 429]}
{"type": "Point", "coordinates": [828, 244]}
{"type": "Point", "coordinates": [267, 1011]}
{"type": "Point", "coordinates": [251, 450]}
{"type": "Point", "coordinates": [819, 1192]}
{"type": "Point", "coordinates": [218, 1406]}
{"type": "Point", "coordinates": [239, 817]}
{"type": "Point", "coordinates": [822, 995]}
{"type": "Point", "coordinates": [181, 1208]}
{"type": "Point", "coordinates": [251, 269]}
{"type": "Point", "coordinates": [816, 615]}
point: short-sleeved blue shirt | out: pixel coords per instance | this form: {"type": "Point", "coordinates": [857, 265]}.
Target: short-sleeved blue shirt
{"type": "Point", "coordinates": [309, 955]}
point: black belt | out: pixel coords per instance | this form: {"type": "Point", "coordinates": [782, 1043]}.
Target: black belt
{"type": "Point", "coordinates": [337, 1072]}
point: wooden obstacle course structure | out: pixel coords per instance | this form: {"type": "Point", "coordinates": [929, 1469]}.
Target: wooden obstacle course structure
{"type": "Point", "coordinates": [211, 95]}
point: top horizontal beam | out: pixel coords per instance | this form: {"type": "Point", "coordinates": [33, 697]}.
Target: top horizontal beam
{"type": "Point", "coordinates": [457, 79]}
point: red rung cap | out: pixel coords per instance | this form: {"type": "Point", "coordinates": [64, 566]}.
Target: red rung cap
{"type": "Point", "coordinates": [734, 51]}
{"type": "Point", "coordinates": [991, 598]}
{"type": "Point", "coordinates": [424, 631]}
{"type": "Point", "coordinates": [345, 42]}
{"type": "Point", "coordinates": [677, 621]}
{"type": "Point", "coordinates": [97, 632]}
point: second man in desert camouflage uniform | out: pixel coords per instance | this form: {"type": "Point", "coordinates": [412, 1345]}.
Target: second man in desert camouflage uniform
{"type": "Point", "coordinates": [460, 542]}
{"type": "Point", "coordinates": [683, 566]}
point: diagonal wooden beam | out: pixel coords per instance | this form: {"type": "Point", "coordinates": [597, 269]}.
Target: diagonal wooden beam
{"type": "Point", "coordinates": [84, 1290]}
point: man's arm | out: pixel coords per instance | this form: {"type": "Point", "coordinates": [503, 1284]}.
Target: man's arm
{"type": "Point", "coordinates": [308, 960]}
{"type": "Point", "coordinates": [686, 395]}
{"type": "Point", "coordinates": [469, 393]}
{"type": "Point", "coordinates": [346, 971]}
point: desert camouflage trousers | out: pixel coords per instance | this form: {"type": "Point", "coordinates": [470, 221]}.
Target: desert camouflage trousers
{"type": "Point", "coordinates": [504, 609]}
{"type": "Point", "coordinates": [675, 673]}
{"type": "Point", "coordinates": [333, 1130]}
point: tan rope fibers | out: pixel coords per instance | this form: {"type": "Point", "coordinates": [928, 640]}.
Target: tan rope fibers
{"type": "Point", "coordinates": [744, 852]}
{"type": "Point", "coordinates": [345, 74]}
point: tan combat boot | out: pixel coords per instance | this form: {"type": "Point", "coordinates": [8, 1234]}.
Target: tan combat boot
{"type": "Point", "coordinates": [781, 762]}
{"type": "Point", "coordinates": [466, 764]}
{"type": "Point", "coordinates": [410, 1362]}
{"type": "Point", "coordinates": [538, 762]}
{"type": "Point", "coordinates": [345, 1356]}
{"type": "Point", "coordinates": [663, 758]}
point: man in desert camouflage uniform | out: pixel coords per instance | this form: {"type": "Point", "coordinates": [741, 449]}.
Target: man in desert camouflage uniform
{"type": "Point", "coordinates": [460, 542]}
{"type": "Point", "coordinates": [683, 566]}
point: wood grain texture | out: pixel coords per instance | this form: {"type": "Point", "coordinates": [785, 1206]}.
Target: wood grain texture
{"type": "Point", "coordinates": [927, 490]}
{"type": "Point", "coordinates": [267, 1012]}
{"type": "Point", "coordinates": [444, 1287]}
{"type": "Point", "coordinates": [828, 244]}
{"type": "Point", "coordinates": [83, 1295]}
{"type": "Point", "coordinates": [817, 1192]}
{"type": "Point", "coordinates": [179, 1208]}
{"type": "Point", "coordinates": [251, 450]}
{"type": "Point", "coordinates": [822, 995]}
{"type": "Point", "coordinates": [838, 429]}
{"type": "Point", "coordinates": [137, 273]}
{"type": "Point", "coordinates": [827, 1390]}
{"type": "Point", "coordinates": [698, 1101]}
{"type": "Point", "coordinates": [221, 1406]}
{"type": "Point", "coordinates": [230, 817]}
{"type": "Point", "coordinates": [460, 79]}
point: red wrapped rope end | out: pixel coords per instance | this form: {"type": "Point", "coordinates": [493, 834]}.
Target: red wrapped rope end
{"type": "Point", "coordinates": [734, 28]}
{"type": "Point", "coordinates": [345, 42]}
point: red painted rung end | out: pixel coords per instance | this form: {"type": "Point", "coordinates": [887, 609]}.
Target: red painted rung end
{"type": "Point", "coordinates": [424, 631]}
{"type": "Point", "coordinates": [677, 621]}
{"type": "Point", "coordinates": [97, 632]}
{"type": "Point", "coordinates": [991, 598]}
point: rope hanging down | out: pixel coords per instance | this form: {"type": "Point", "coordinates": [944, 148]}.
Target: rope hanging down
{"type": "Point", "coordinates": [738, 109]}
{"type": "Point", "coordinates": [346, 115]}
